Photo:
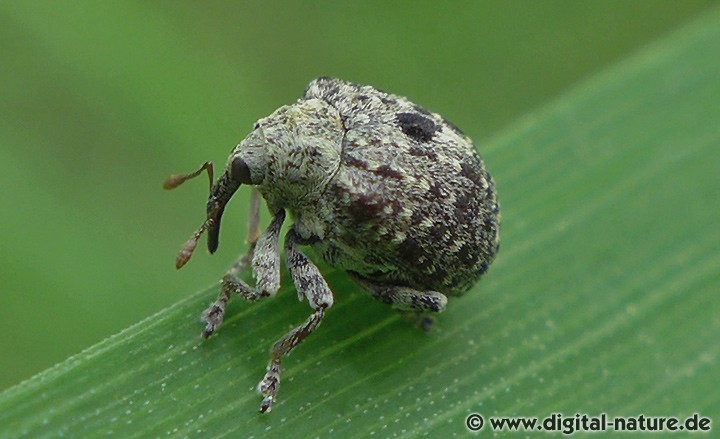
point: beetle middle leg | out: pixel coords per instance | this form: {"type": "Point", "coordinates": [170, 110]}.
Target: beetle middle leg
{"type": "Point", "coordinates": [311, 285]}
{"type": "Point", "coordinates": [266, 271]}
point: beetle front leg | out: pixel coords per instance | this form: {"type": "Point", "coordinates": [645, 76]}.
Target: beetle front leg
{"type": "Point", "coordinates": [312, 286]}
{"type": "Point", "coordinates": [266, 271]}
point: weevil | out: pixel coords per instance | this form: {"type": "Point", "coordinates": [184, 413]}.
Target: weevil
{"type": "Point", "coordinates": [377, 186]}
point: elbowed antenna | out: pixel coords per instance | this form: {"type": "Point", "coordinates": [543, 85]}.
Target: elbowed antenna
{"type": "Point", "coordinates": [189, 247]}
{"type": "Point", "coordinates": [176, 180]}
{"type": "Point", "coordinates": [220, 194]}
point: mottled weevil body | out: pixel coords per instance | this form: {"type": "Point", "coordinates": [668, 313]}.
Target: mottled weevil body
{"type": "Point", "coordinates": [378, 186]}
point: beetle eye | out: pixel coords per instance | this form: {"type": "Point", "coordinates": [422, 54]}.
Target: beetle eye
{"type": "Point", "coordinates": [239, 171]}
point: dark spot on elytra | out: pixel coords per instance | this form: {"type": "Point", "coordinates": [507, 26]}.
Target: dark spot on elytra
{"type": "Point", "coordinates": [437, 231]}
{"type": "Point", "coordinates": [313, 152]}
{"type": "Point", "coordinates": [374, 141]}
{"type": "Point", "coordinates": [366, 207]}
{"type": "Point", "coordinates": [462, 215]}
{"type": "Point", "coordinates": [355, 162]}
{"type": "Point", "coordinates": [471, 173]}
{"type": "Point", "coordinates": [418, 216]}
{"type": "Point", "coordinates": [417, 126]}
{"type": "Point", "coordinates": [438, 274]}
{"type": "Point", "coordinates": [387, 171]}
{"type": "Point", "coordinates": [466, 207]}
{"type": "Point", "coordinates": [436, 190]}
{"type": "Point", "coordinates": [388, 101]}
{"type": "Point", "coordinates": [489, 225]}
{"type": "Point", "coordinates": [418, 151]}
{"type": "Point", "coordinates": [466, 255]}
{"type": "Point", "coordinates": [382, 170]}
{"type": "Point", "coordinates": [410, 250]}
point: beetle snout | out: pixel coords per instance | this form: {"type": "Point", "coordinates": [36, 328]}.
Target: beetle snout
{"type": "Point", "coordinates": [222, 191]}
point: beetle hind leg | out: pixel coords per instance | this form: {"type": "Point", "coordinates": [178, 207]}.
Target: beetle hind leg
{"type": "Point", "coordinates": [400, 297]}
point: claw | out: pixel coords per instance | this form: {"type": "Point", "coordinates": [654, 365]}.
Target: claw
{"type": "Point", "coordinates": [268, 387]}
{"type": "Point", "coordinates": [213, 317]}
{"type": "Point", "coordinates": [208, 331]}
{"type": "Point", "coordinates": [266, 405]}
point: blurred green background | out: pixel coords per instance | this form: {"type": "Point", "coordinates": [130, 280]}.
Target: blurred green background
{"type": "Point", "coordinates": [100, 101]}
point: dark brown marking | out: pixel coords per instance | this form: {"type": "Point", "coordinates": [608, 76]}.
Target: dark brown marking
{"type": "Point", "coordinates": [417, 126]}
{"type": "Point", "coordinates": [387, 171]}
{"type": "Point", "coordinates": [418, 151]}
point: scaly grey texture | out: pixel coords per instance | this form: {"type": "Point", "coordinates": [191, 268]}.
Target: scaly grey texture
{"type": "Point", "coordinates": [380, 187]}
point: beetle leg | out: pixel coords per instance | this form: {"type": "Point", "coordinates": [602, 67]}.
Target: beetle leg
{"type": "Point", "coordinates": [266, 271]}
{"type": "Point", "coordinates": [400, 297]}
{"type": "Point", "coordinates": [253, 234]}
{"type": "Point", "coordinates": [312, 285]}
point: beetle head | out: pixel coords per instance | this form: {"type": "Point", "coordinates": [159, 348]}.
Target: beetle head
{"type": "Point", "coordinates": [290, 156]}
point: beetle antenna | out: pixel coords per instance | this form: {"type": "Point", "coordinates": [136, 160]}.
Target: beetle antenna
{"type": "Point", "coordinates": [220, 193]}
{"type": "Point", "coordinates": [176, 180]}
{"type": "Point", "coordinates": [189, 247]}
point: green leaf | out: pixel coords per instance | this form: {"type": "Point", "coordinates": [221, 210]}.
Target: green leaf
{"type": "Point", "coordinates": [604, 297]}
